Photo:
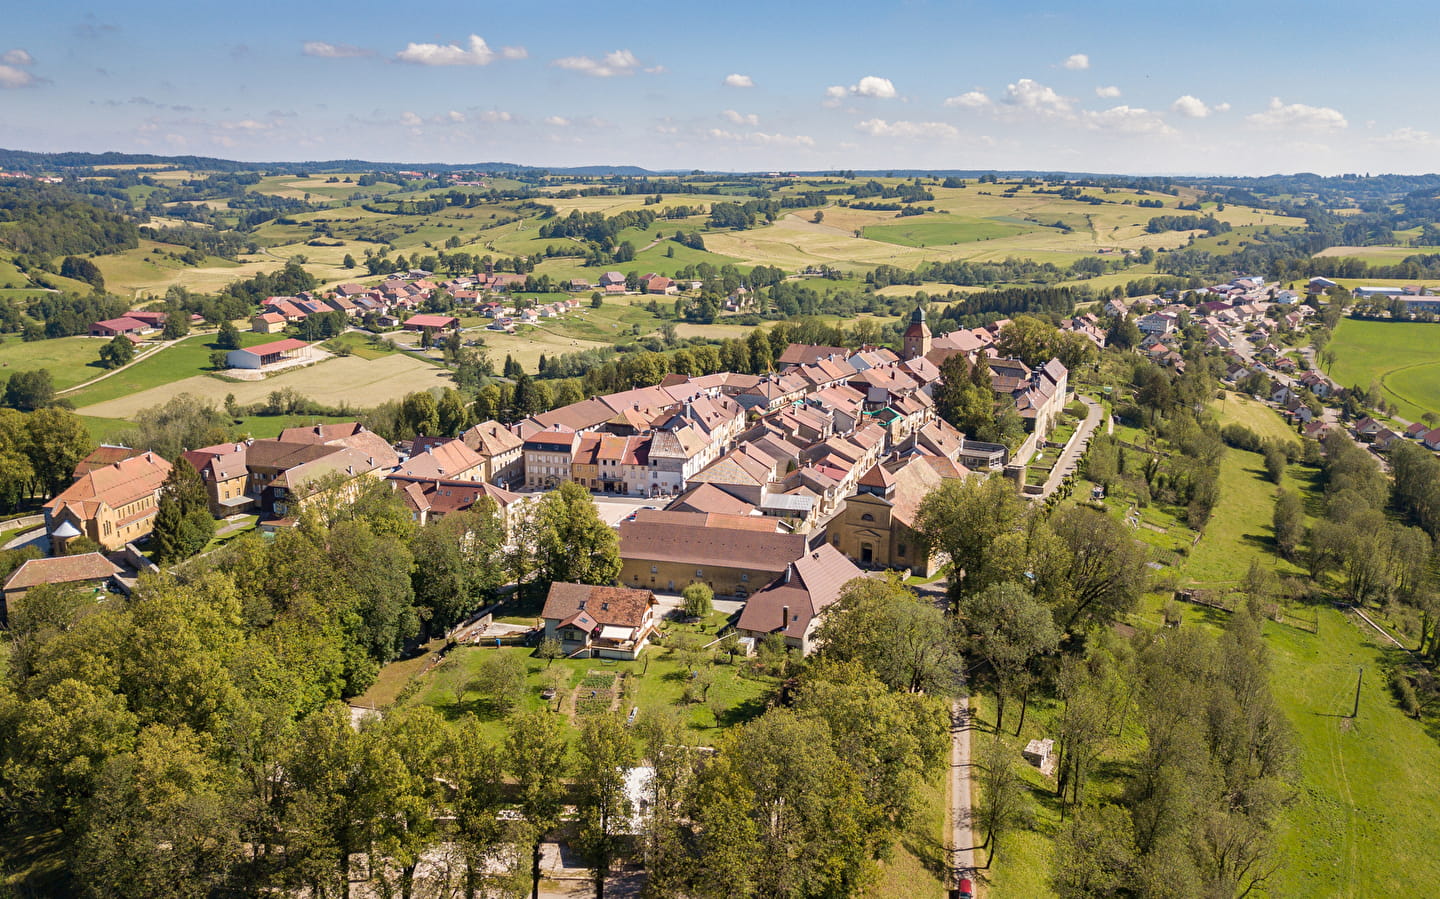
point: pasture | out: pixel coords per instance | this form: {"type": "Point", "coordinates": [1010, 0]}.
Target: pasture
{"type": "Point", "coordinates": [1402, 357]}
{"type": "Point", "coordinates": [190, 357]}
{"type": "Point", "coordinates": [934, 231]}
{"type": "Point", "coordinates": [71, 360]}
{"type": "Point", "coordinates": [1379, 255]}
{"type": "Point", "coordinates": [359, 382]}
{"type": "Point", "coordinates": [1237, 408]}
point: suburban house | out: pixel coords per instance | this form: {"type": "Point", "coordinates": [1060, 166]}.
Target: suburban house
{"type": "Point", "coordinates": [501, 451]}
{"type": "Point", "coordinates": [85, 570]}
{"type": "Point", "coordinates": [794, 602]}
{"type": "Point", "coordinates": [113, 506]}
{"type": "Point", "coordinates": [658, 284]}
{"type": "Point", "coordinates": [599, 622]}
{"type": "Point", "coordinates": [612, 282]}
{"type": "Point", "coordinates": [734, 554]}
{"type": "Point", "coordinates": [257, 357]}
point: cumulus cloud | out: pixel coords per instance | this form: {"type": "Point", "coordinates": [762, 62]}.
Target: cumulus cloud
{"type": "Point", "coordinates": [1194, 108]}
{"type": "Point", "coordinates": [1107, 92]}
{"type": "Point", "coordinates": [557, 121]}
{"type": "Point", "coordinates": [1408, 138]}
{"type": "Point", "coordinates": [882, 128]}
{"type": "Point", "coordinates": [248, 125]}
{"type": "Point", "coordinates": [613, 64]}
{"type": "Point", "coordinates": [750, 119]}
{"type": "Point", "coordinates": [970, 100]}
{"type": "Point", "coordinates": [411, 120]}
{"type": "Point", "coordinates": [761, 138]}
{"type": "Point", "coordinates": [326, 50]}
{"type": "Point", "coordinates": [738, 80]}
{"type": "Point", "coordinates": [869, 86]}
{"type": "Point", "coordinates": [494, 115]}
{"type": "Point", "coordinates": [514, 53]}
{"type": "Point", "coordinates": [475, 53]}
{"type": "Point", "coordinates": [13, 66]}
{"type": "Point", "coordinates": [1077, 62]}
{"type": "Point", "coordinates": [1127, 119]}
{"type": "Point", "coordinates": [1298, 115]}
{"type": "Point", "coordinates": [1031, 96]}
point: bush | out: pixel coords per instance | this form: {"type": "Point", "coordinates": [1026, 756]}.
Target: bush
{"type": "Point", "coordinates": [1405, 693]}
{"type": "Point", "coordinates": [1242, 438]}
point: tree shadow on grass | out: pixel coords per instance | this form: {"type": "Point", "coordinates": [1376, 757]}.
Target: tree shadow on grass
{"type": "Point", "coordinates": [481, 707]}
{"type": "Point", "coordinates": [744, 711]}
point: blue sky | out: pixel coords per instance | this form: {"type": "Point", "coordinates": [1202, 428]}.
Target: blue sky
{"type": "Point", "coordinates": [1157, 87]}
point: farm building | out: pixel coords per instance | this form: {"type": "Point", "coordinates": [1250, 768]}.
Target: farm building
{"type": "Point", "coordinates": [116, 326]}
{"type": "Point", "coordinates": [429, 322]}
{"type": "Point", "coordinates": [268, 354]}
{"type": "Point", "coordinates": [267, 323]}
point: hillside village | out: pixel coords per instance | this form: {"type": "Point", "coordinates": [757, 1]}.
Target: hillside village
{"type": "Point", "coordinates": [835, 447]}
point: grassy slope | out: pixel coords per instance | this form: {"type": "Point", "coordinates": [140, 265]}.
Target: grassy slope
{"type": "Point", "coordinates": [1402, 356]}
{"type": "Point", "coordinates": [928, 231]}
{"type": "Point", "coordinates": [1373, 782]}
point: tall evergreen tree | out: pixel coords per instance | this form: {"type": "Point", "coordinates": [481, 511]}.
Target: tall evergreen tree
{"type": "Point", "coordinates": [182, 522]}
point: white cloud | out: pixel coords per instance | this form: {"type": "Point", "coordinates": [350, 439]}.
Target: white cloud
{"type": "Point", "coordinates": [738, 80]}
{"type": "Point", "coordinates": [514, 53]}
{"type": "Point", "coordinates": [475, 53]}
{"type": "Point", "coordinates": [455, 116]}
{"type": "Point", "coordinates": [1298, 115]}
{"type": "Point", "coordinates": [882, 128]}
{"type": "Point", "coordinates": [970, 100]}
{"type": "Point", "coordinates": [557, 121]}
{"type": "Point", "coordinates": [1128, 119]}
{"type": "Point", "coordinates": [750, 119]}
{"type": "Point", "coordinates": [410, 120]}
{"type": "Point", "coordinates": [494, 115]}
{"type": "Point", "coordinates": [1408, 138]}
{"type": "Point", "coordinates": [249, 125]}
{"type": "Point", "coordinates": [1107, 92]}
{"type": "Point", "coordinates": [1077, 62]}
{"type": "Point", "coordinates": [326, 50]}
{"type": "Point", "coordinates": [1029, 95]}
{"type": "Point", "coordinates": [761, 138]}
{"type": "Point", "coordinates": [618, 62]}
{"type": "Point", "coordinates": [12, 69]}
{"type": "Point", "coordinates": [869, 86]}
{"type": "Point", "coordinates": [1194, 108]}
{"type": "Point", "coordinates": [874, 86]}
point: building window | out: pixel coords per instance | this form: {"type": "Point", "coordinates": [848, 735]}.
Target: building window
{"type": "Point", "coordinates": [744, 578]}
{"type": "Point", "coordinates": [654, 569]}
{"type": "Point", "coordinates": [699, 572]}
{"type": "Point", "coordinates": [867, 517]}
{"type": "Point", "coordinates": [900, 550]}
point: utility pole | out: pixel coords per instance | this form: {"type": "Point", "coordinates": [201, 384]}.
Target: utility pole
{"type": "Point", "coordinates": [1358, 681]}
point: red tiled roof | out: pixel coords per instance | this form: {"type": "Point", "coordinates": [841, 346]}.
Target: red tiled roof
{"type": "Point", "coordinates": [61, 570]}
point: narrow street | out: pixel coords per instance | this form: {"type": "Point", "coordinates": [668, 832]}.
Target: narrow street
{"type": "Point", "coordinates": [962, 836]}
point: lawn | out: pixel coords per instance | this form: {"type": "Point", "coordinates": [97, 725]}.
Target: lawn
{"type": "Point", "coordinates": [1403, 357]}
{"type": "Point", "coordinates": [70, 360]}
{"type": "Point", "coordinates": [359, 345]}
{"type": "Point", "coordinates": [944, 230]}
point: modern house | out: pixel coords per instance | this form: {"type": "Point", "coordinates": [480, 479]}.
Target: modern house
{"type": "Point", "coordinates": [599, 622]}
